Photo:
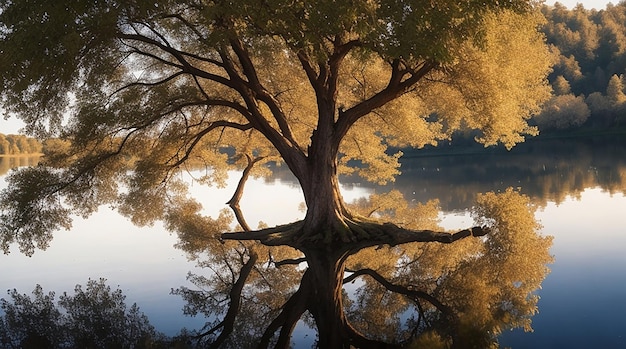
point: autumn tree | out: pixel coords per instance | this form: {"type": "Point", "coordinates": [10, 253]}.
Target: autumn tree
{"type": "Point", "coordinates": [146, 89]}
{"type": "Point", "coordinates": [563, 112]}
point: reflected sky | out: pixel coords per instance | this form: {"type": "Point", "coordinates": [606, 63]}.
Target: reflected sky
{"type": "Point", "coordinates": [142, 260]}
{"type": "Point", "coordinates": [582, 300]}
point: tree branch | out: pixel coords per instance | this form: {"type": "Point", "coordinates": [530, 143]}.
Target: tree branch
{"type": "Point", "coordinates": [228, 323]}
{"type": "Point", "coordinates": [292, 311]}
{"type": "Point", "coordinates": [293, 156]}
{"type": "Point", "coordinates": [178, 55]}
{"type": "Point", "coordinates": [199, 135]}
{"type": "Point", "coordinates": [294, 261]}
{"type": "Point", "coordinates": [413, 294]}
{"type": "Point", "coordinates": [234, 200]}
{"type": "Point", "coordinates": [396, 87]}
{"type": "Point", "coordinates": [261, 93]}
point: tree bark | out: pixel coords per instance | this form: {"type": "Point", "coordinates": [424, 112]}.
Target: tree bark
{"type": "Point", "coordinates": [326, 271]}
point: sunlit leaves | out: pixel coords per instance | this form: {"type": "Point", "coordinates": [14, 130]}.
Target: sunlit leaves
{"type": "Point", "coordinates": [497, 91]}
{"type": "Point", "coordinates": [488, 284]}
{"type": "Point", "coordinates": [562, 112]}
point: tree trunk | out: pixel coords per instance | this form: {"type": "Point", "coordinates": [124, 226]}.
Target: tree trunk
{"type": "Point", "coordinates": [326, 272]}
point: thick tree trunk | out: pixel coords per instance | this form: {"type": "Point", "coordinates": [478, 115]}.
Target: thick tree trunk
{"type": "Point", "coordinates": [326, 270]}
{"type": "Point", "coordinates": [324, 234]}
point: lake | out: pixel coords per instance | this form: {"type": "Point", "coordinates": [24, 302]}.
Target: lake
{"type": "Point", "coordinates": [577, 185]}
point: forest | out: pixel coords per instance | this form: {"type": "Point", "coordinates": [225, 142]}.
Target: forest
{"type": "Point", "coordinates": [19, 145]}
{"type": "Point", "coordinates": [589, 48]}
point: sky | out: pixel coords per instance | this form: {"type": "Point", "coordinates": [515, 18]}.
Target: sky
{"type": "Point", "coordinates": [588, 4]}
{"type": "Point", "coordinates": [12, 126]}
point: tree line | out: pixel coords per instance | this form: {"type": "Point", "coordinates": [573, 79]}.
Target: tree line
{"type": "Point", "coordinates": [589, 48]}
{"type": "Point", "coordinates": [19, 145]}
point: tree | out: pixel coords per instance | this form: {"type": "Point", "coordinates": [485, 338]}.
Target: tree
{"type": "Point", "coordinates": [95, 317]}
{"type": "Point", "coordinates": [561, 86]}
{"type": "Point", "coordinates": [459, 295]}
{"type": "Point", "coordinates": [563, 112]}
{"type": "Point", "coordinates": [615, 91]}
{"type": "Point", "coordinates": [152, 88]}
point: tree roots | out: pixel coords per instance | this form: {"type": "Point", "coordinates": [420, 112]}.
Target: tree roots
{"type": "Point", "coordinates": [351, 234]}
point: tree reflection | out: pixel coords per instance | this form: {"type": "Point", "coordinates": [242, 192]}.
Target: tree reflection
{"type": "Point", "coordinates": [9, 162]}
{"type": "Point", "coordinates": [414, 295]}
{"type": "Point", "coordinates": [460, 295]}
{"type": "Point", "coordinates": [93, 317]}
{"type": "Point", "coordinates": [545, 169]}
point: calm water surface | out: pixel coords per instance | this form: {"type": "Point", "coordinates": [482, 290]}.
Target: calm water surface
{"type": "Point", "coordinates": [578, 187]}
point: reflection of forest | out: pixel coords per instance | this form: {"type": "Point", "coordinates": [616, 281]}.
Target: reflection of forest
{"type": "Point", "coordinates": [544, 169]}
{"type": "Point", "coordinates": [9, 162]}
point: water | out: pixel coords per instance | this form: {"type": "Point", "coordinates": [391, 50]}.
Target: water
{"type": "Point", "coordinates": [578, 187]}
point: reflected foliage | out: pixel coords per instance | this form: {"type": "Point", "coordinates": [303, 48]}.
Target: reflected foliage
{"type": "Point", "coordinates": [93, 317]}
{"type": "Point", "coordinates": [545, 169]}
{"type": "Point", "coordinates": [40, 210]}
{"type": "Point", "coordinates": [465, 293]}
{"type": "Point", "coordinates": [241, 291]}
{"type": "Point", "coordinates": [460, 295]}
{"type": "Point", "coordinates": [8, 163]}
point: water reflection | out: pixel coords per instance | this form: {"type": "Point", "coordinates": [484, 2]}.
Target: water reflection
{"type": "Point", "coordinates": [476, 285]}
{"type": "Point", "coordinates": [420, 294]}
{"type": "Point", "coordinates": [544, 169]}
{"type": "Point", "coordinates": [93, 317]}
{"type": "Point", "coordinates": [9, 162]}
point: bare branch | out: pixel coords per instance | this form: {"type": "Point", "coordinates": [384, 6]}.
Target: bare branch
{"type": "Point", "coordinates": [199, 135]}
{"type": "Point", "coordinates": [234, 200]}
{"type": "Point", "coordinates": [294, 261]}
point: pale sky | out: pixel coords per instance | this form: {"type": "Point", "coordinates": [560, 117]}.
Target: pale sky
{"type": "Point", "coordinates": [588, 4]}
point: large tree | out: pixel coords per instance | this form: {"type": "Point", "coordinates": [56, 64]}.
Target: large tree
{"type": "Point", "coordinates": [146, 89]}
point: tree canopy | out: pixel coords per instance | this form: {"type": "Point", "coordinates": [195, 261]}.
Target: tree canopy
{"type": "Point", "coordinates": [143, 90]}
{"type": "Point", "coordinates": [590, 54]}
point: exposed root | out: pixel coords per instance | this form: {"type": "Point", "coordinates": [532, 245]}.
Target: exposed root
{"type": "Point", "coordinates": [350, 233]}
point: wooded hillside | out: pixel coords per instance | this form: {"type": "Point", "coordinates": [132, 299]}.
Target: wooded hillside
{"type": "Point", "coordinates": [590, 62]}
{"type": "Point", "coordinates": [18, 145]}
